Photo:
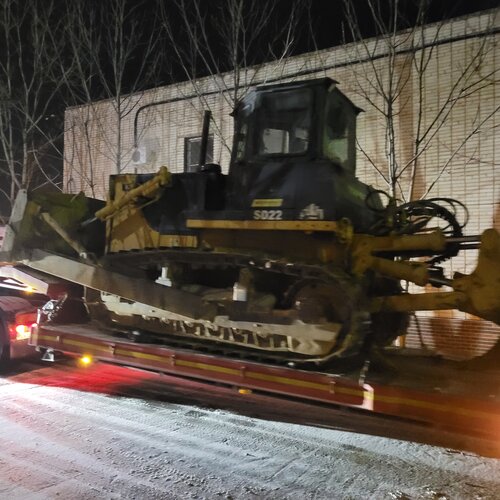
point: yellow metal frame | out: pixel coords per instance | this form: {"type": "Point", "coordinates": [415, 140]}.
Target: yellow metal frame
{"type": "Point", "coordinates": [280, 225]}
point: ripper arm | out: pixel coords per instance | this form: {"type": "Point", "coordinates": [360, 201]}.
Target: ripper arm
{"type": "Point", "coordinates": [477, 293]}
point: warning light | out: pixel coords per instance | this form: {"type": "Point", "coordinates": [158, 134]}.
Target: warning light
{"type": "Point", "coordinates": [86, 360]}
{"type": "Point", "coordinates": [242, 390]}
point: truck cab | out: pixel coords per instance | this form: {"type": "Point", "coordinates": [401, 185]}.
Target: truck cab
{"type": "Point", "coordinates": [22, 292]}
{"type": "Point", "coordinates": [18, 313]}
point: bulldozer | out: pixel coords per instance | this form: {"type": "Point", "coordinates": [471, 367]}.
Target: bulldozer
{"type": "Point", "coordinates": [287, 257]}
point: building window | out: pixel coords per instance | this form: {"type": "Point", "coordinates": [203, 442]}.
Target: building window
{"type": "Point", "coordinates": [192, 147]}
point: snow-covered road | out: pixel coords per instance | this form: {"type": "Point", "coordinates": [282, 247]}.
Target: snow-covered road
{"type": "Point", "coordinates": [111, 432]}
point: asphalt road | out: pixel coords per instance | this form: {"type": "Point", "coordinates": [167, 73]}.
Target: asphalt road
{"type": "Point", "coordinates": [111, 432]}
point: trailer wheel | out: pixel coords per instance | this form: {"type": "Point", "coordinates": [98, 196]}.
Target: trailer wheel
{"type": "Point", "coordinates": [4, 355]}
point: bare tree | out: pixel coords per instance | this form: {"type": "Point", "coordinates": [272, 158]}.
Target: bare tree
{"type": "Point", "coordinates": [390, 73]}
{"type": "Point", "coordinates": [116, 56]}
{"type": "Point", "coordinates": [228, 39]}
{"type": "Point", "coordinates": [28, 96]}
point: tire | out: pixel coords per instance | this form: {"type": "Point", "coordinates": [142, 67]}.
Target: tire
{"type": "Point", "coordinates": [4, 356]}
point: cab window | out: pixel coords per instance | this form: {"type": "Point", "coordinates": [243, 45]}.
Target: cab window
{"type": "Point", "coordinates": [339, 132]}
{"type": "Point", "coordinates": [284, 123]}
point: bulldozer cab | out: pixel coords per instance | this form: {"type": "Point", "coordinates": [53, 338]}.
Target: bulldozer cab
{"type": "Point", "coordinates": [288, 122]}
{"type": "Point", "coordinates": [294, 154]}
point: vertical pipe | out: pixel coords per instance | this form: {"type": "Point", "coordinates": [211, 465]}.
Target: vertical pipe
{"type": "Point", "coordinates": [204, 138]}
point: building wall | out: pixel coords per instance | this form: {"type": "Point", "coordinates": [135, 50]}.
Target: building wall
{"type": "Point", "coordinates": [461, 160]}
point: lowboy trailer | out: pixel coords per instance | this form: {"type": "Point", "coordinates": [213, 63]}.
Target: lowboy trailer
{"type": "Point", "coordinates": [466, 402]}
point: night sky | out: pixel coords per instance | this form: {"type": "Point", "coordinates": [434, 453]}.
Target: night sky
{"type": "Point", "coordinates": [327, 17]}
{"type": "Point", "coordinates": [327, 22]}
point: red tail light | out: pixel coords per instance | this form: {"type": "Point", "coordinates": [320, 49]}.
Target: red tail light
{"type": "Point", "coordinates": [21, 332]}
{"type": "Point", "coordinates": [21, 329]}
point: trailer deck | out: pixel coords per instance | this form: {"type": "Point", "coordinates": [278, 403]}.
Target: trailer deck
{"type": "Point", "coordinates": [455, 399]}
